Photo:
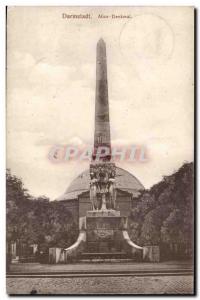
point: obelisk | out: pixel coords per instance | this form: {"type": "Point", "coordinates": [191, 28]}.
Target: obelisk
{"type": "Point", "coordinates": [102, 170]}
{"type": "Point", "coordinates": [102, 122]}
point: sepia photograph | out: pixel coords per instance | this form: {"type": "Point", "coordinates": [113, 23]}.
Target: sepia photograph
{"type": "Point", "coordinates": [100, 167]}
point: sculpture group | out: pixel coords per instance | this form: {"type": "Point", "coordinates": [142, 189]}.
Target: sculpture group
{"type": "Point", "coordinates": [102, 186]}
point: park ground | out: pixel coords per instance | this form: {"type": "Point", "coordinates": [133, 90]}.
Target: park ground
{"type": "Point", "coordinates": [102, 278]}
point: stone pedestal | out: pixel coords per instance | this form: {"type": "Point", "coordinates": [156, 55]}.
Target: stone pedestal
{"type": "Point", "coordinates": [104, 231]}
{"type": "Point", "coordinates": [151, 253]}
{"type": "Point", "coordinates": [103, 213]}
{"type": "Point", "coordinates": [56, 255]}
{"type": "Point", "coordinates": [102, 235]}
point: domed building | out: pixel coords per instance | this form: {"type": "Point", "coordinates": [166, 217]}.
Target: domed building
{"type": "Point", "coordinates": [77, 198]}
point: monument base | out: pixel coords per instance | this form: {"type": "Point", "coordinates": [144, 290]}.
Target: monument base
{"type": "Point", "coordinates": [103, 213]}
{"type": "Point", "coordinates": [103, 231]}
{"type": "Point", "coordinates": [103, 236]}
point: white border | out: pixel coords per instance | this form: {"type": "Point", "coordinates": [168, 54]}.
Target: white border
{"type": "Point", "coordinates": [102, 3]}
{"type": "Point", "coordinates": [3, 4]}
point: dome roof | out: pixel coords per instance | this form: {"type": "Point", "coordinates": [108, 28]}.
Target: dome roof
{"type": "Point", "coordinates": [124, 181]}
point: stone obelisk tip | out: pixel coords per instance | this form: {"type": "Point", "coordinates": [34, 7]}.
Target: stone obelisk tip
{"type": "Point", "coordinates": [101, 41]}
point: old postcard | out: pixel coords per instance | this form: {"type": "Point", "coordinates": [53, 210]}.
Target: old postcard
{"type": "Point", "coordinates": [100, 150]}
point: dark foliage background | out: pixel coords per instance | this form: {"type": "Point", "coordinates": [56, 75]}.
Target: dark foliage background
{"type": "Point", "coordinates": [37, 220]}
{"type": "Point", "coordinates": [164, 216]}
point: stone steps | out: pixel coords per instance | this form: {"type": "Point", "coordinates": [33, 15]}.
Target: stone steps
{"type": "Point", "coordinates": [107, 260]}
{"type": "Point", "coordinates": [104, 257]}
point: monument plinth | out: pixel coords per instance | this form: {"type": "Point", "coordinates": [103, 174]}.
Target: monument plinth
{"type": "Point", "coordinates": [104, 231]}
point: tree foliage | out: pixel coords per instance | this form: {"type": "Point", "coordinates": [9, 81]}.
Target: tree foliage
{"type": "Point", "coordinates": [164, 214]}
{"type": "Point", "coordinates": [37, 220]}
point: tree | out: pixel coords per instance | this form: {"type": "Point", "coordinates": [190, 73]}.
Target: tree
{"type": "Point", "coordinates": [37, 220]}
{"type": "Point", "coordinates": [164, 214]}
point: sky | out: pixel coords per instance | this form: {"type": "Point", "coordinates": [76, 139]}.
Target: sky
{"type": "Point", "coordinates": [51, 89]}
